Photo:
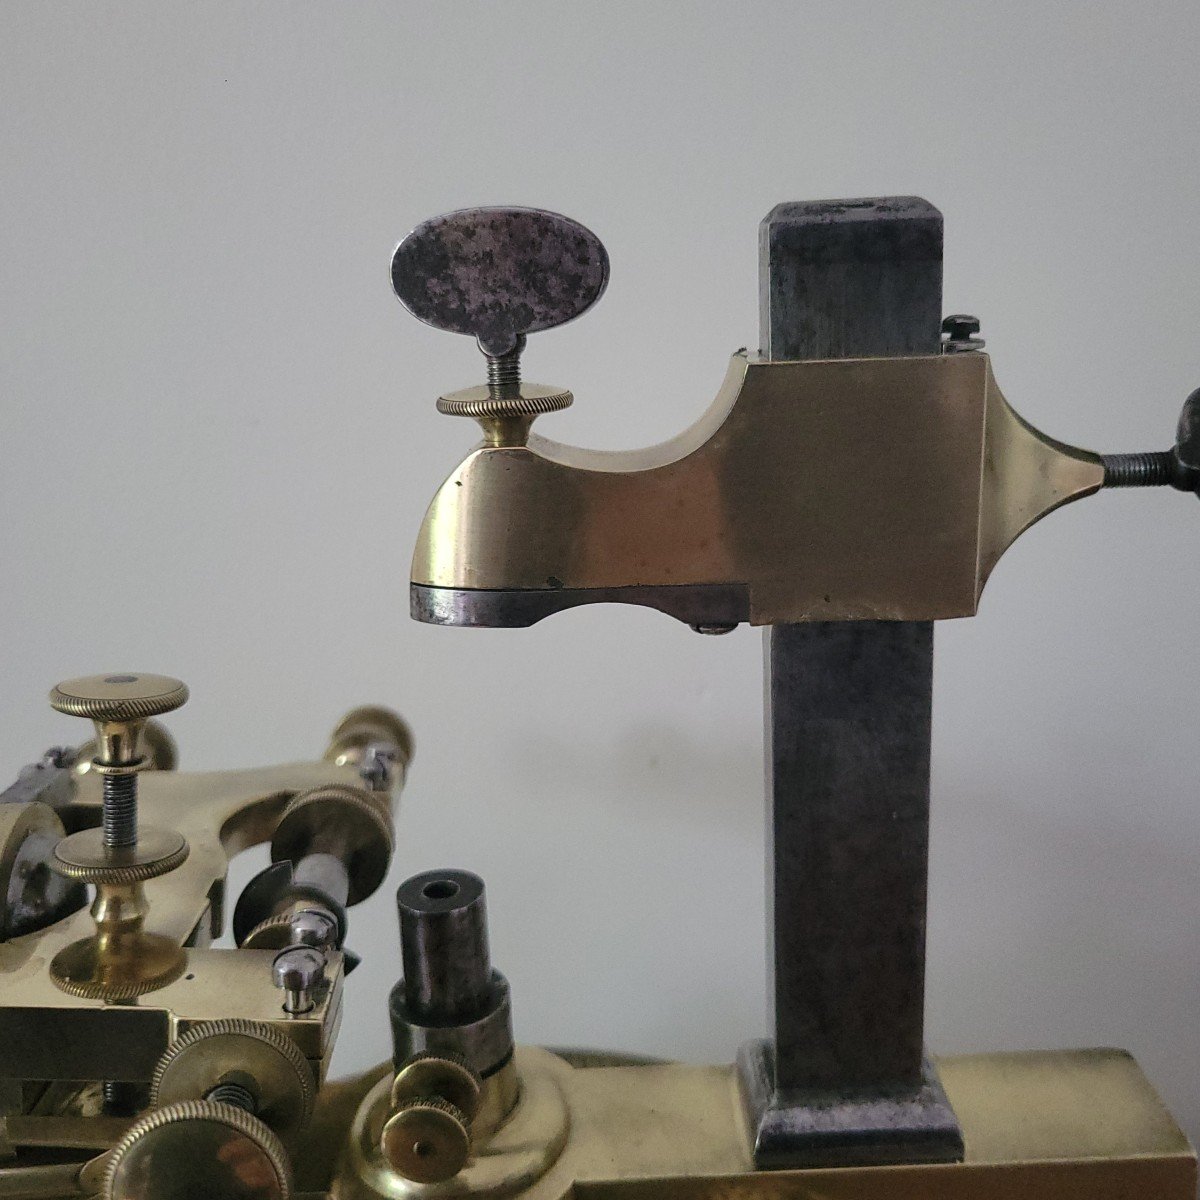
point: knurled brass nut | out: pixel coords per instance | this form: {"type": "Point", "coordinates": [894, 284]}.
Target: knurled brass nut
{"type": "Point", "coordinates": [119, 697]}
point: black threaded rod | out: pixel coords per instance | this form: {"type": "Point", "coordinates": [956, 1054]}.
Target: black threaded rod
{"type": "Point", "coordinates": [120, 810]}
{"type": "Point", "coordinates": [1153, 468]}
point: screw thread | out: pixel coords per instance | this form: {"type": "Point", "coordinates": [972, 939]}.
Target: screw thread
{"type": "Point", "coordinates": [120, 810]}
{"type": "Point", "coordinates": [1150, 469]}
{"type": "Point", "coordinates": [504, 375]}
{"type": "Point", "coordinates": [229, 1092]}
{"type": "Point", "coordinates": [120, 1097]}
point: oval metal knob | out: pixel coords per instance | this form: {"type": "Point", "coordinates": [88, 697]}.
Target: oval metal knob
{"type": "Point", "coordinates": [499, 273]}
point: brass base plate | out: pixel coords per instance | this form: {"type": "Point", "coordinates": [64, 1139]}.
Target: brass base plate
{"type": "Point", "coordinates": [1061, 1125]}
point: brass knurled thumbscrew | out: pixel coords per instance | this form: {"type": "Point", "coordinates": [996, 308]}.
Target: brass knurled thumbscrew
{"type": "Point", "coordinates": [120, 960]}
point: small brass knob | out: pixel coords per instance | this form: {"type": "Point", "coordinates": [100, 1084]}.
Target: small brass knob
{"type": "Point", "coordinates": [352, 824]}
{"type": "Point", "coordinates": [427, 1141]}
{"type": "Point", "coordinates": [121, 961]}
{"type": "Point", "coordinates": [435, 1097]}
{"type": "Point", "coordinates": [119, 705]}
{"type": "Point", "coordinates": [198, 1148]}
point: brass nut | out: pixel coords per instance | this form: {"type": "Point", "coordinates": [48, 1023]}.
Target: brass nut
{"type": "Point", "coordinates": [128, 697]}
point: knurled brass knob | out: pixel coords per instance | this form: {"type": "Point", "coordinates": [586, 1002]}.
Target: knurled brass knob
{"type": "Point", "coordinates": [119, 705]}
{"type": "Point", "coordinates": [198, 1148]}
{"type": "Point", "coordinates": [119, 697]}
{"type": "Point", "coordinates": [352, 824]}
{"type": "Point", "coordinates": [121, 960]}
{"type": "Point", "coordinates": [255, 1055]}
{"type": "Point", "coordinates": [427, 1141]}
{"type": "Point", "coordinates": [435, 1097]}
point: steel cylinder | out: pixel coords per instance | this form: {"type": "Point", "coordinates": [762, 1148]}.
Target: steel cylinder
{"type": "Point", "coordinates": [326, 873]}
{"type": "Point", "coordinates": [450, 1000]}
{"type": "Point", "coordinates": [444, 946]}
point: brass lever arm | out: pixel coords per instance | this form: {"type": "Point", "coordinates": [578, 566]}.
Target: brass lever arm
{"type": "Point", "coordinates": [809, 491]}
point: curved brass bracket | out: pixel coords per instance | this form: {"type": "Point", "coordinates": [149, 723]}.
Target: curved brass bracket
{"type": "Point", "coordinates": [855, 489]}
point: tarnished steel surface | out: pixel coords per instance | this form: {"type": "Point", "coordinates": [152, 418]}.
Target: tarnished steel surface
{"type": "Point", "coordinates": [499, 273]}
{"type": "Point", "coordinates": [844, 1079]}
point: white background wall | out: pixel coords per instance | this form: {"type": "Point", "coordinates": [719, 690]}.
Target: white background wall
{"type": "Point", "coordinates": [218, 437]}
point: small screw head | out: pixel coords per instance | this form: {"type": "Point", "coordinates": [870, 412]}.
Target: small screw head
{"type": "Point", "coordinates": [314, 927]}
{"type": "Point", "coordinates": [960, 332]}
{"type": "Point", "coordinates": [378, 763]}
{"type": "Point", "coordinates": [298, 970]}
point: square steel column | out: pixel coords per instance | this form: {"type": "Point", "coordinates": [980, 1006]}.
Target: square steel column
{"type": "Point", "coordinates": [844, 1078]}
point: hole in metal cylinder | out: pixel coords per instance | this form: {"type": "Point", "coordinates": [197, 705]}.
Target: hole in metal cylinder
{"type": "Point", "coordinates": [440, 889]}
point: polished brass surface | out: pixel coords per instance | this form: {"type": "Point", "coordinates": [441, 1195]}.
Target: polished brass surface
{"type": "Point", "coordinates": [85, 857]}
{"type": "Point", "coordinates": [117, 968]}
{"type": "Point", "coordinates": [197, 1148]}
{"type": "Point", "coordinates": [218, 814]}
{"type": "Point", "coordinates": [120, 960]}
{"type": "Point", "coordinates": [838, 490]}
{"type": "Point", "coordinates": [1068, 1125]}
{"type": "Point", "coordinates": [159, 750]}
{"type": "Point", "coordinates": [353, 825]}
{"type": "Point", "coordinates": [211, 1053]}
{"type": "Point", "coordinates": [512, 1159]}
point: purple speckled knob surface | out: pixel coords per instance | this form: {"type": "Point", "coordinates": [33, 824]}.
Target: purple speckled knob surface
{"type": "Point", "coordinates": [499, 273]}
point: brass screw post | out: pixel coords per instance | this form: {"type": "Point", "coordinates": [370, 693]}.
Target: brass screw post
{"type": "Point", "coordinates": [120, 961]}
{"type": "Point", "coordinates": [120, 706]}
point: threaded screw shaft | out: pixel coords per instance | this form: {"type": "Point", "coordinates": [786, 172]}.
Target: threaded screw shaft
{"type": "Point", "coordinates": [120, 810]}
{"type": "Point", "coordinates": [121, 1098]}
{"type": "Point", "coordinates": [1150, 469]}
{"type": "Point", "coordinates": [504, 375]}
{"type": "Point", "coordinates": [230, 1092]}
